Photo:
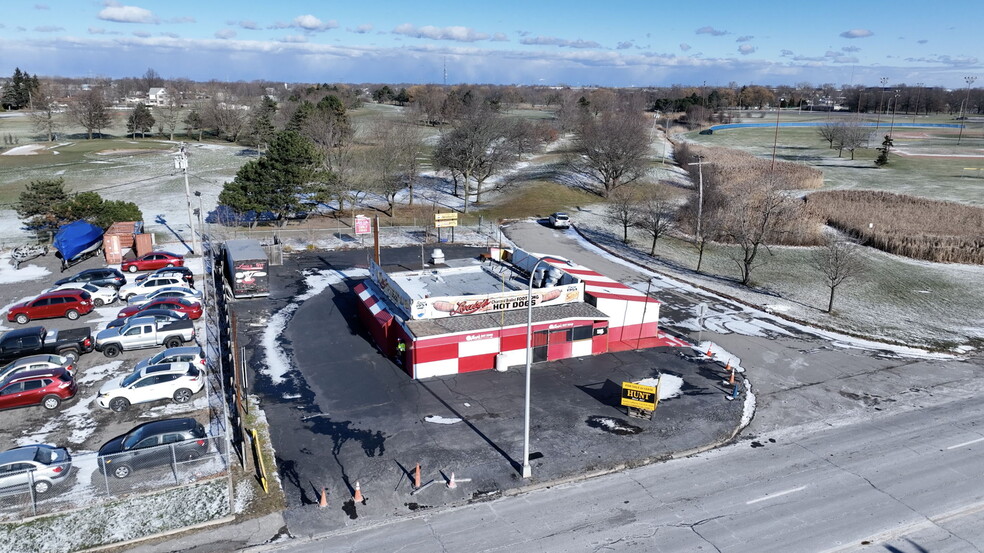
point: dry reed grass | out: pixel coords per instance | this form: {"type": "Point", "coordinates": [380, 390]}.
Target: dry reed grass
{"type": "Point", "coordinates": [920, 228]}
{"type": "Point", "coordinates": [729, 166]}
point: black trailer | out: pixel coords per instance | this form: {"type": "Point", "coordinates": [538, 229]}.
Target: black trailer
{"type": "Point", "coordinates": [247, 268]}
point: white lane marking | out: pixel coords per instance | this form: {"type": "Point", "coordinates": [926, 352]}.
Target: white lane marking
{"type": "Point", "coordinates": [775, 495]}
{"type": "Point", "coordinates": [966, 443]}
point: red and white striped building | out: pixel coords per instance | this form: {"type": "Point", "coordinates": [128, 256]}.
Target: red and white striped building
{"type": "Point", "coordinates": [473, 315]}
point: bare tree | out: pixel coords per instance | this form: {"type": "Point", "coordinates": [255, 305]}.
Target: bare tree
{"type": "Point", "coordinates": [838, 261]}
{"type": "Point", "coordinates": [227, 120]}
{"type": "Point", "coordinates": [44, 115]}
{"type": "Point", "coordinates": [169, 114]}
{"type": "Point", "coordinates": [394, 158]}
{"type": "Point", "coordinates": [752, 220]}
{"type": "Point", "coordinates": [476, 148]}
{"type": "Point", "coordinates": [852, 135]}
{"type": "Point", "coordinates": [655, 216]}
{"type": "Point", "coordinates": [621, 208]}
{"type": "Point", "coordinates": [611, 150]}
{"type": "Point", "coordinates": [828, 131]}
{"type": "Point", "coordinates": [89, 109]}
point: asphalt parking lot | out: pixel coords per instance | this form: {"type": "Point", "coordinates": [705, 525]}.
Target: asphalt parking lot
{"type": "Point", "coordinates": [80, 424]}
{"type": "Point", "coordinates": [346, 414]}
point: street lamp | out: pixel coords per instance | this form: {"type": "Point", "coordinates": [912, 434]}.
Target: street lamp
{"type": "Point", "coordinates": [883, 81]}
{"type": "Point", "coordinates": [527, 470]}
{"type": "Point", "coordinates": [895, 108]}
{"type": "Point", "coordinates": [969, 80]}
{"type": "Point", "coordinates": [915, 112]}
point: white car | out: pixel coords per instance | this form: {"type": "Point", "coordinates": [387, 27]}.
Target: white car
{"type": "Point", "coordinates": [149, 285]}
{"type": "Point", "coordinates": [560, 220]}
{"type": "Point", "coordinates": [101, 295]}
{"type": "Point", "coordinates": [177, 381]}
{"type": "Point", "coordinates": [166, 292]}
{"type": "Point", "coordinates": [188, 354]}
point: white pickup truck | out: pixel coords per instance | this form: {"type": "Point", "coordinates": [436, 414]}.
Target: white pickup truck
{"type": "Point", "coordinates": [144, 332]}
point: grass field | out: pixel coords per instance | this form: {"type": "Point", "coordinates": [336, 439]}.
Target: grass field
{"type": "Point", "coordinates": [926, 162]}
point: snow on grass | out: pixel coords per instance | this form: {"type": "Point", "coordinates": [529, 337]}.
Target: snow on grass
{"type": "Point", "coordinates": [437, 419]}
{"type": "Point", "coordinates": [78, 418]}
{"type": "Point", "coordinates": [25, 150]}
{"type": "Point", "coordinates": [243, 495]}
{"type": "Point", "coordinates": [277, 361]}
{"type": "Point", "coordinates": [114, 522]}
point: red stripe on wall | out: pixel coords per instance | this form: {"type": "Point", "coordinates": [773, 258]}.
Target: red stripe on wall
{"type": "Point", "coordinates": [624, 297]}
{"type": "Point", "coordinates": [435, 353]}
{"type": "Point", "coordinates": [482, 362]}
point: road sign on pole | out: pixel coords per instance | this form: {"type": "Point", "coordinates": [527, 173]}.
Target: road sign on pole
{"type": "Point", "coordinates": [362, 225]}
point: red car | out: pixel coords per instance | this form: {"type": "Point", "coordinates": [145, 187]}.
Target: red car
{"type": "Point", "coordinates": [47, 387]}
{"type": "Point", "coordinates": [153, 261]}
{"type": "Point", "coordinates": [191, 308]}
{"type": "Point", "coordinates": [71, 303]}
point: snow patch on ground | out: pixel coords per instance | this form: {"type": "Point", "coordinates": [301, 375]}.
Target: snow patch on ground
{"type": "Point", "coordinates": [669, 385]}
{"type": "Point", "coordinates": [277, 360]}
{"type": "Point", "coordinates": [437, 419]}
{"type": "Point", "coordinates": [9, 274]}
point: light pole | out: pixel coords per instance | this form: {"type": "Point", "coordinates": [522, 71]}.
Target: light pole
{"type": "Point", "coordinates": [883, 81]}
{"type": "Point", "coordinates": [916, 110]}
{"type": "Point", "coordinates": [181, 162]}
{"type": "Point", "coordinates": [895, 108]}
{"type": "Point", "coordinates": [527, 470]}
{"type": "Point", "coordinates": [775, 143]}
{"type": "Point", "coordinates": [965, 104]}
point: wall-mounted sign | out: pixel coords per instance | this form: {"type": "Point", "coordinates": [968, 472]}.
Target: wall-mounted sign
{"type": "Point", "coordinates": [452, 306]}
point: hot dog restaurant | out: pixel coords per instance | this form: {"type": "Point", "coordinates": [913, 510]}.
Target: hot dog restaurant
{"type": "Point", "coordinates": [471, 314]}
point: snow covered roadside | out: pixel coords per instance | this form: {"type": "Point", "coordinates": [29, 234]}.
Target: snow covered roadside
{"type": "Point", "coordinates": [114, 522]}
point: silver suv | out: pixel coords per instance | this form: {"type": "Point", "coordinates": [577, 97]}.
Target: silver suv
{"type": "Point", "coordinates": [41, 466]}
{"type": "Point", "coordinates": [560, 220]}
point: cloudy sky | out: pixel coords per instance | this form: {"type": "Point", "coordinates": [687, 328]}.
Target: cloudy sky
{"type": "Point", "coordinates": [575, 42]}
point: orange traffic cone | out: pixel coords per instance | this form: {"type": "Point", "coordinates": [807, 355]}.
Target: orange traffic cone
{"type": "Point", "coordinates": [732, 379]}
{"type": "Point", "coordinates": [708, 350]}
{"type": "Point", "coordinates": [728, 366]}
{"type": "Point", "coordinates": [451, 483]}
{"type": "Point", "coordinates": [323, 502]}
{"type": "Point", "coordinates": [357, 496]}
{"type": "Point", "coordinates": [416, 477]}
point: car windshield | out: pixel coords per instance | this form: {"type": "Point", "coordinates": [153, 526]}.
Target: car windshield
{"type": "Point", "coordinates": [133, 438]}
{"type": "Point", "coordinates": [130, 379]}
{"type": "Point", "coordinates": [90, 288]}
{"type": "Point", "coordinates": [46, 456]}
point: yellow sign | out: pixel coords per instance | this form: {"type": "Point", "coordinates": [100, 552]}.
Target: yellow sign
{"type": "Point", "coordinates": [445, 224]}
{"type": "Point", "coordinates": [445, 216]}
{"type": "Point", "coordinates": [638, 396]}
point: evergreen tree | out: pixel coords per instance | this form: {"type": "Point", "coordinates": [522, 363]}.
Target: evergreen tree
{"type": "Point", "coordinates": [140, 120]}
{"type": "Point", "coordinates": [276, 181]}
{"type": "Point", "coordinates": [40, 206]}
{"type": "Point", "coordinates": [886, 147]}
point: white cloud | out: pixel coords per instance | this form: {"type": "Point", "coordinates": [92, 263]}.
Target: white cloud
{"type": "Point", "coordinates": [851, 49]}
{"type": "Point", "coordinates": [922, 41]}
{"type": "Point", "coordinates": [785, 53]}
{"type": "Point", "coordinates": [745, 38]}
{"type": "Point", "coordinates": [456, 33]}
{"type": "Point", "coordinates": [857, 33]}
{"type": "Point", "coordinates": [685, 47]}
{"type": "Point", "coordinates": [500, 37]}
{"type": "Point", "coordinates": [561, 42]}
{"type": "Point", "coordinates": [362, 29]}
{"type": "Point", "coordinates": [182, 19]}
{"type": "Point", "coordinates": [294, 39]}
{"type": "Point", "coordinates": [746, 49]}
{"type": "Point", "coordinates": [247, 24]}
{"type": "Point", "coordinates": [126, 14]}
{"type": "Point", "coordinates": [710, 31]}
{"type": "Point", "coordinates": [309, 22]}
{"type": "Point", "coordinates": [97, 31]}
{"type": "Point", "coordinates": [141, 34]}
{"type": "Point", "coordinates": [624, 45]}
{"type": "Point", "coordinates": [225, 34]}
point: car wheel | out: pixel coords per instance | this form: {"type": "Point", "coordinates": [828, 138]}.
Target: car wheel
{"type": "Point", "coordinates": [170, 265]}
{"type": "Point", "coordinates": [72, 314]}
{"type": "Point", "coordinates": [122, 471]}
{"type": "Point", "coordinates": [182, 395]}
{"type": "Point", "coordinates": [98, 302]}
{"type": "Point", "coordinates": [42, 487]}
{"type": "Point", "coordinates": [112, 350]}
{"type": "Point", "coordinates": [119, 404]}
{"type": "Point", "coordinates": [192, 455]}
{"type": "Point", "coordinates": [70, 354]}
{"type": "Point", "coordinates": [51, 402]}
{"type": "Point", "coordinates": [22, 319]}
{"type": "Point", "coordinates": [132, 268]}
{"type": "Point", "coordinates": [172, 342]}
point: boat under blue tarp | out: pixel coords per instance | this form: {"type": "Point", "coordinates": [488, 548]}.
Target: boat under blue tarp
{"type": "Point", "coordinates": [77, 239]}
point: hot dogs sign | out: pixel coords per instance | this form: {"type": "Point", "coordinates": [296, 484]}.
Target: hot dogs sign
{"type": "Point", "coordinates": [451, 306]}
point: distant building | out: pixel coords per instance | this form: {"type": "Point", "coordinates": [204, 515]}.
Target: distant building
{"type": "Point", "coordinates": [158, 96]}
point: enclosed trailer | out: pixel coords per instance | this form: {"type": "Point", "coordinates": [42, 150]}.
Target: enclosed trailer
{"type": "Point", "coordinates": [247, 268]}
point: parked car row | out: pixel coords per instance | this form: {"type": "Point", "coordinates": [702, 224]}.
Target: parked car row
{"type": "Point", "coordinates": [38, 366]}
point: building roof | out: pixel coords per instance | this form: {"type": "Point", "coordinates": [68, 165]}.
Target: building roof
{"type": "Point", "coordinates": [460, 277]}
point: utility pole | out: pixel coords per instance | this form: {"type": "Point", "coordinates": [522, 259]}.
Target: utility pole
{"type": "Point", "coordinates": [883, 81]}
{"type": "Point", "coordinates": [964, 105]}
{"type": "Point", "coordinates": [181, 162]}
{"type": "Point", "coordinates": [916, 111]}
{"type": "Point", "coordinates": [775, 142]}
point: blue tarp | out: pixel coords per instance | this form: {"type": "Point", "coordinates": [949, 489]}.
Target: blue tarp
{"type": "Point", "coordinates": [76, 238]}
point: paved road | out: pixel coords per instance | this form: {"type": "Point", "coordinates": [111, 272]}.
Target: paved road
{"type": "Point", "coordinates": [909, 482]}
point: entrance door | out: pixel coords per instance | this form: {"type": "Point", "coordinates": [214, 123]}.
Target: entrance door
{"type": "Point", "coordinates": [539, 346]}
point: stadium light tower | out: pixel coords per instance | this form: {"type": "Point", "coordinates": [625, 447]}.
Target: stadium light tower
{"type": "Point", "coordinates": [964, 105]}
